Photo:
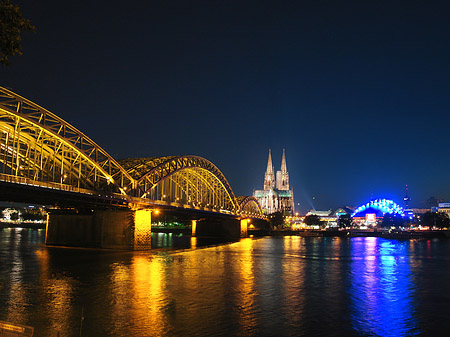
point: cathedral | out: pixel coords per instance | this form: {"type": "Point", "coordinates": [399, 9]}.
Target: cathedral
{"type": "Point", "coordinates": [276, 195]}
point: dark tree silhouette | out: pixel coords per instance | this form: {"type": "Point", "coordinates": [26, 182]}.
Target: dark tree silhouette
{"type": "Point", "coordinates": [392, 220]}
{"type": "Point", "coordinates": [14, 216]}
{"type": "Point", "coordinates": [345, 220]}
{"type": "Point", "coordinates": [33, 215]}
{"type": "Point", "coordinates": [312, 220]}
{"type": "Point", "coordinates": [435, 219]}
{"type": "Point", "coordinates": [12, 24]}
{"type": "Point", "coordinates": [276, 219]}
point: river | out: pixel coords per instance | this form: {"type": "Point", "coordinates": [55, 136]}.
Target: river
{"type": "Point", "coordinates": [271, 286]}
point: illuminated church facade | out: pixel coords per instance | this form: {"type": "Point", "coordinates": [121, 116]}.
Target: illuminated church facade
{"type": "Point", "coordinates": [276, 195]}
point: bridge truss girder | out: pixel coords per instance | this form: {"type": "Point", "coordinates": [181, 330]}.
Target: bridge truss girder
{"type": "Point", "coordinates": [193, 186]}
{"type": "Point", "coordinates": [249, 205]}
{"type": "Point", "coordinates": [187, 179]}
{"type": "Point", "coordinates": [37, 144]}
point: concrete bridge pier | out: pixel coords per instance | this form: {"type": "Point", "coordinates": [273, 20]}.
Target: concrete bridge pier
{"type": "Point", "coordinates": [225, 228]}
{"type": "Point", "coordinates": [116, 229]}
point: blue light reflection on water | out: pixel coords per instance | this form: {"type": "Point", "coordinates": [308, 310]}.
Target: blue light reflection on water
{"type": "Point", "coordinates": [381, 289]}
{"type": "Point", "coordinates": [274, 286]}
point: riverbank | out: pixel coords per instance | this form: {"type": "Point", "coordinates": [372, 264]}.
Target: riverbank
{"type": "Point", "coordinates": [175, 230]}
{"type": "Point", "coordinates": [285, 232]}
{"type": "Point", "coordinates": [14, 224]}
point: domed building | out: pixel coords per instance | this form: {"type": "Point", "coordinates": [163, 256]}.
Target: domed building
{"type": "Point", "coordinates": [373, 211]}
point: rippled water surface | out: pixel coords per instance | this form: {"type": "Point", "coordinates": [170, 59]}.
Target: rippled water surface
{"type": "Point", "coordinates": [272, 286]}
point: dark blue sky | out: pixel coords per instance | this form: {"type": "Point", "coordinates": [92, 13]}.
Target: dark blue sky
{"type": "Point", "coordinates": [357, 92]}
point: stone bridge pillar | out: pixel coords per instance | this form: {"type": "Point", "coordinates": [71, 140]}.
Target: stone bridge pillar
{"type": "Point", "coordinates": [244, 228]}
{"type": "Point", "coordinates": [142, 229]}
{"type": "Point", "coordinates": [194, 227]}
{"type": "Point", "coordinates": [224, 228]}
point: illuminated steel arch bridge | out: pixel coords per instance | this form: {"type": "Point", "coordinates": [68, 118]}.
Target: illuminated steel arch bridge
{"type": "Point", "coordinates": [38, 148]}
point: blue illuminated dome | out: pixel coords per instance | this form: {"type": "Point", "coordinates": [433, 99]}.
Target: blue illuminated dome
{"type": "Point", "coordinates": [379, 207]}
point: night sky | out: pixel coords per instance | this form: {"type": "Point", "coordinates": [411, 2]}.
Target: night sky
{"type": "Point", "coordinates": [357, 92]}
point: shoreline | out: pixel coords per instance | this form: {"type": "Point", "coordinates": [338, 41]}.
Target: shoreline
{"type": "Point", "coordinates": [31, 225]}
{"type": "Point", "coordinates": [358, 233]}
{"type": "Point", "coordinates": [429, 234]}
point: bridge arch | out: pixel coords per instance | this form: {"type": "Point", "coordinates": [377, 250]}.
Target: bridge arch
{"type": "Point", "coordinates": [188, 180]}
{"type": "Point", "coordinates": [37, 144]}
{"type": "Point", "coordinates": [249, 205]}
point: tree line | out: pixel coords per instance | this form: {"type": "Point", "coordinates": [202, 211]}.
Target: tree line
{"type": "Point", "coordinates": [430, 219]}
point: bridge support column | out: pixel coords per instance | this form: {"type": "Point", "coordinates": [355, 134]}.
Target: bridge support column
{"type": "Point", "coordinates": [244, 228]}
{"type": "Point", "coordinates": [194, 227]}
{"type": "Point", "coordinates": [115, 229]}
{"type": "Point", "coordinates": [142, 229]}
{"type": "Point", "coordinates": [223, 228]}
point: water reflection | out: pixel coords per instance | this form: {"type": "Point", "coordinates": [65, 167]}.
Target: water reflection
{"type": "Point", "coordinates": [182, 241]}
{"type": "Point", "coordinates": [246, 299]}
{"type": "Point", "coordinates": [381, 289]}
{"type": "Point", "coordinates": [119, 295]}
{"type": "Point", "coordinates": [56, 295]}
{"type": "Point", "coordinates": [150, 307]}
{"type": "Point", "coordinates": [293, 285]}
{"type": "Point", "coordinates": [276, 286]}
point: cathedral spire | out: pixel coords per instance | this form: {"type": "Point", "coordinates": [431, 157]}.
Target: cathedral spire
{"type": "Point", "coordinates": [283, 175]}
{"type": "Point", "coordinates": [269, 163]}
{"type": "Point", "coordinates": [269, 178]}
{"type": "Point", "coordinates": [283, 163]}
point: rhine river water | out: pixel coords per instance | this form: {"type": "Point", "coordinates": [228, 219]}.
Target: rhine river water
{"type": "Point", "coordinates": [271, 286]}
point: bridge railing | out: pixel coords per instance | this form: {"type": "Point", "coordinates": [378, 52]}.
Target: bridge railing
{"type": "Point", "coordinates": [30, 182]}
{"type": "Point", "coordinates": [69, 188]}
{"type": "Point", "coordinates": [155, 203]}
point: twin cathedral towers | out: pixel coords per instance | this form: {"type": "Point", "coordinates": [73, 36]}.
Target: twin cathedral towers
{"type": "Point", "coordinates": [276, 195]}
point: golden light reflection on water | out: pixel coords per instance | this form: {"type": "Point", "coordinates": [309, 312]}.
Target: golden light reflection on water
{"type": "Point", "coordinates": [200, 268]}
{"type": "Point", "coordinates": [120, 295]}
{"type": "Point", "coordinates": [16, 308]}
{"type": "Point", "coordinates": [43, 260]}
{"type": "Point", "coordinates": [60, 293]}
{"type": "Point", "coordinates": [57, 295]}
{"type": "Point", "coordinates": [293, 275]}
{"type": "Point", "coordinates": [246, 302]}
{"type": "Point", "coordinates": [139, 295]}
{"type": "Point", "coordinates": [193, 242]}
{"type": "Point", "coordinates": [17, 297]}
{"type": "Point", "coordinates": [149, 297]}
